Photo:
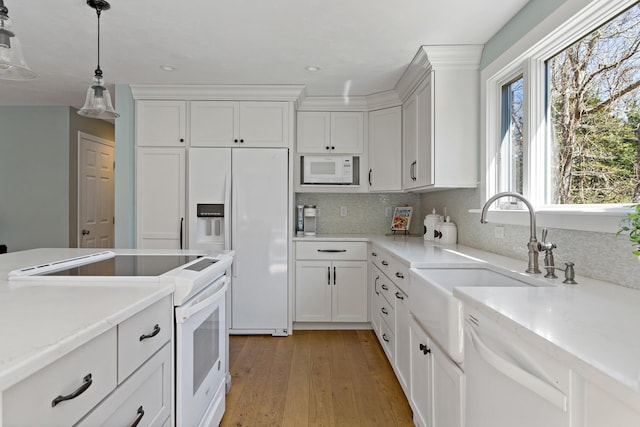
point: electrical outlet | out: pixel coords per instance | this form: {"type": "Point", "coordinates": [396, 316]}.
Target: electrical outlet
{"type": "Point", "coordinates": [387, 212]}
{"type": "Point", "coordinates": [343, 211]}
{"type": "Point", "coordinates": [498, 232]}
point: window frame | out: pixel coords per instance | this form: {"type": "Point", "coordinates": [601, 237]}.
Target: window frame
{"type": "Point", "coordinates": [571, 21]}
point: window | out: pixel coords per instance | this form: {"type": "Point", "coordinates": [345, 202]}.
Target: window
{"type": "Point", "coordinates": [593, 114]}
{"type": "Point", "coordinates": [510, 157]}
{"type": "Point", "coordinates": [561, 117]}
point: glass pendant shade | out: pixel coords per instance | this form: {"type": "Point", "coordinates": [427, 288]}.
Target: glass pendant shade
{"type": "Point", "coordinates": [12, 63]}
{"type": "Point", "coordinates": [97, 104]}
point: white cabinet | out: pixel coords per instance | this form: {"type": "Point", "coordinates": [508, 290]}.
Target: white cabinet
{"type": "Point", "coordinates": [330, 132]}
{"type": "Point", "coordinates": [437, 384]}
{"type": "Point", "coordinates": [239, 124]}
{"type": "Point", "coordinates": [402, 361]}
{"type": "Point", "coordinates": [161, 123]}
{"type": "Point", "coordinates": [605, 409]}
{"type": "Point", "coordinates": [98, 379]}
{"type": "Point", "coordinates": [440, 126]}
{"type": "Point", "coordinates": [385, 150]}
{"type": "Point", "coordinates": [160, 197]}
{"type": "Point", "coordinates": [331, 282]}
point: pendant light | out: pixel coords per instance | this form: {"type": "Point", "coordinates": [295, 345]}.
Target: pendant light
{"type": "Point", "coordinates": [98, 105]}
{"type": "Point", "coordinates": [12, 63]}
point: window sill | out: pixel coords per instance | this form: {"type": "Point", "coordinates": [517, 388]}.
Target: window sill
{"type": "Point", "coordinates": [602, 219]}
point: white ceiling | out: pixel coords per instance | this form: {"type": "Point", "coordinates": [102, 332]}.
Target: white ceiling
{"type": "Point", "coordinates": [361, 46]}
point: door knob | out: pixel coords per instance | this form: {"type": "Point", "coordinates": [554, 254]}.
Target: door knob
{"type": "Point", "coordinates": [85, 232]}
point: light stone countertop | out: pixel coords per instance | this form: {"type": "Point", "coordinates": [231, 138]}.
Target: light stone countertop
{"type": "Point", "coordinates": [39, 323]}
{"type": "Point", "coordinates": [592, 327]}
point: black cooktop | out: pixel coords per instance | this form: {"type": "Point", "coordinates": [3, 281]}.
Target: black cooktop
{"type": "Point", "coordinates": [128, 265]}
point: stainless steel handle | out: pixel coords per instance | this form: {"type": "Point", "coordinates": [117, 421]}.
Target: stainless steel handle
{"type": "Point", "coordinates": [139, 416]}
{"type": "Point", "coordinates": [156, 331]}
{"type": "Point", "coordinates": [384, 287]}
{"type": "Point", "coordinates": [385, 263]}
{"type": "Point", "coordinates": [86, 383]}
{"type": "Point", "coordinates": [399, 275]}
{"type": "Point", "coordinates": [399, 295]}
{"type": "Point", "coordinates": [332, 250]}
{"type": "Point", "coordinates": [384, 311]}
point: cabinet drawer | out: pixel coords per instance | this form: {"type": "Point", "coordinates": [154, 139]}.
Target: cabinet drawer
{"type": "Point", "coordinates": [387, 289]}
{"type": "Point", "coordinates": [145, 395]}
{"type": "Point", "coordinates": [331, 250]}
{"type": "Point", "coordinates": [30, 402]}
{"type": "Point", "coordinates": [394, 269]}
{"type": "Point", "coordinates": [387, 313]}
{"type": "Point", "coordinates": [387, 341]}
{"type": "Point", "coordinates": [137, 337]}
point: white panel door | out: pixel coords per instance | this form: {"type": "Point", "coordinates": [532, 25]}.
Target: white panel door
{"type": "Point", "coordinates": [96, 192]}
{"type": "Point", "coordinates": [214, 124]}
{"type": "Point", "coordinates": [349, 299]}
{"type": "Point", "coordinates": [313, 291]}
{"type": "Point", "coordinates": [264, 124]}
{"type": "Point", "coordinates": [409, 142]}
{"type": "Point", "coordinates": [403, 341]}
{"type": "Point", "coordinates": [259, 292]}
{"type": "Point", "coordinates": [421, 383]}
{"type": "Point", "coordinates": [160, 196]}
{"type": "Point", "coordinates": [385, 150]}
{"type": "Point", "coordinates": [424, 167]}
{"type": "Point", "coordinates": [448, 386]}
{"type": "Point", "coordinates": [347, 132]}
{"type": "Point", "coordinates": [314, 132]}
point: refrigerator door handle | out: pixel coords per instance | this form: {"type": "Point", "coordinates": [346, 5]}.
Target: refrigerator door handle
{"type": "Point", "coordinates": [181, 231]}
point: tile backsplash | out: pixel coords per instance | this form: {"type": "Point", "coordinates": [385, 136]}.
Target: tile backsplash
{"type": "Point", "coordinates": [365, 213]}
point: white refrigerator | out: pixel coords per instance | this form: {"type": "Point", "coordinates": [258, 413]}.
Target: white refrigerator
{"type": "Point", "coordinates": [252, 183]}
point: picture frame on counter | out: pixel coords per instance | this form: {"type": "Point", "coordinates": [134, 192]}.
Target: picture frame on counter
{"type": "Point", "coordinates": [401, 219]}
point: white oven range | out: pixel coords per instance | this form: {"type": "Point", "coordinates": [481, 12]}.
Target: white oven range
{"type": "Point", "coordinates": [200, 331]}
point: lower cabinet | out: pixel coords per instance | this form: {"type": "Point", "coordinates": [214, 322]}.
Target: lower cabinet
{"type": "Point", "coordinates": [604, 409]}
{"type": "Point", "coordinates": [93, 385]}
{"type": "Point", "coordinates": [437, 383]}
{"type": "Point", "coordinates": [402, 362]}
{"type": "Point", "coordinates": [331, 282]}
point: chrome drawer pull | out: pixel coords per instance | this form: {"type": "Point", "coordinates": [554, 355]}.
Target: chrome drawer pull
{"type": "Point", "coordinates": [385, 263]}
{"type": "Point", "coordinates": [156, 331]}
{"type": "Point", "coordinates": [399, 275]}
{"type": "Point", "coordinates": [399, 295]}
{"type": "Point", "coordinates": [332, 250]}
{"type": "Point", "coordinates": [139, 416]}
{"type": "Point", "coordinates": [86, 383]}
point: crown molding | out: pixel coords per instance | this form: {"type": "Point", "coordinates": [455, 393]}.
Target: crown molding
{"type": "Point", "coordinates": [440, 57]}
{"type": "Point", "coordinates": [293, 93]}
{"type": "Point", "coordinates": [334, 103]}
{"type": "Point", "coordinates": [378, 101]}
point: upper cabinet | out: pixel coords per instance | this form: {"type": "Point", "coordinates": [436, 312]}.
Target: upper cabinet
{"type": "Point", "coordinates": [440, 118]}
{"type": "Point", "coordinates": [161, 123]}
{"type": "Point", "coordinates": [330, 132]}
{"type": "Point", "coordinates": [385, 149]}
{"type": "Point", "coordinates": [239, 124]}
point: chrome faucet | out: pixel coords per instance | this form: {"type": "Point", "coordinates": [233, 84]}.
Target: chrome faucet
{"type": "Point", "coordinates": [532, 246]}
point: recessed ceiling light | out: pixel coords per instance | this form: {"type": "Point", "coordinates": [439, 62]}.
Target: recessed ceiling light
{"type": "Point", "coordinates": [312, 68]}
{"type": "Point", "coordinates": [167, 67]}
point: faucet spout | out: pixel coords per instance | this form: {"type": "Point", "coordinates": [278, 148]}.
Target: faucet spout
{"type": "Point", "coordinates": [532, 245]}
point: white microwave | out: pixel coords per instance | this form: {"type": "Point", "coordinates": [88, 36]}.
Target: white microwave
{"type": "Point", "coordinates": [323, 169]}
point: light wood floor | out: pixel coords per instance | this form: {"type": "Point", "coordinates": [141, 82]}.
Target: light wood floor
{"type": "Point", "coordinates": [313, 378]}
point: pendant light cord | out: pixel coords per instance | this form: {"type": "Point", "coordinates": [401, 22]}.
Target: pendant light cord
{"type": "Point", "coordinates": [98, 70]}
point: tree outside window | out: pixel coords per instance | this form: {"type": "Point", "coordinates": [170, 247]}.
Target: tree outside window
{"type": "Point", "coordinates": [594, 114]}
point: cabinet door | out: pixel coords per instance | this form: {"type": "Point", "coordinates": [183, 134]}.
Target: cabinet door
{"type": "Point", "coordinates": [403, 341]}
{"type": "Point", "coordinates": [264, 124]}
{"type": "Point", "coordinates": [161, 123]}
{"type": "Point", "coordinates": [409, 143]}
{"type": "Point", "coordinates": [160, 198]}
{"type": "Point", "coordinates": [424, 166]}
{"type": "Point", "coordinates": [385, 150]}
{"type": "Point", "coordinates": [313, 291]}
{"type": "Point", "coordinates": [214, 124]}
{"type": "Point", "coordinates": [347, 132]}
{"type": "Point", "coordinates": [448, 386]}
{"type": "Point", "coordinates": [349, 294]}
{"type": "Point", "coordinates": [374, 277]}
{"type": "Point", "coordinates": [314, 132]}
{"type": "Point", "coordinates": [421, 384]}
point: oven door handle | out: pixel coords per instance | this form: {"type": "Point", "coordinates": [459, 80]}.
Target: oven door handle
{"type": "Point", "coordinates": [183, 313]}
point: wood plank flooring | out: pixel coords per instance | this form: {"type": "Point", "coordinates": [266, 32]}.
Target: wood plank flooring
{"type": "Point", "coordinates": [313, 378]}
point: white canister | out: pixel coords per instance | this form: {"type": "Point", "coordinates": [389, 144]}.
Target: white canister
{"type": "Point", "coordinates": [448, 232]}
{"type": "Point", "coordinates": [430, 222]}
